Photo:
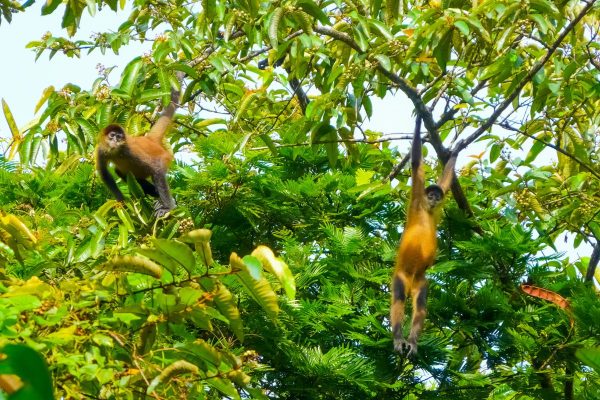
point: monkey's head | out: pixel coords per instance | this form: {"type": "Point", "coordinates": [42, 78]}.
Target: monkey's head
{"type": "Point", "coordinates": [113, 136]}
{"type": "Point", "coordinates": [435, 195]}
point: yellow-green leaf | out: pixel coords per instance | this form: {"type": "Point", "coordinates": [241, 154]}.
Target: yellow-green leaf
{"type": "Point", "coordinates": [178, 251]}
{"type": "Point", "coordinates": [278, 268]}
{"type": "Point", "coordinates": [134, 264]}
{"type": "Point", "coordinates": [226, 304]}
{"type": "Point", "coordinates": [45, 95]}
{"type": "Point", "coordinates": [260, 290]}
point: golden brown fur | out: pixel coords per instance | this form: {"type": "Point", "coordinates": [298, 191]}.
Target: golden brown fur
{"type": "Point", "coordinates": [417, 248]}
{"type": "Point", "coordinates": [142, 156]}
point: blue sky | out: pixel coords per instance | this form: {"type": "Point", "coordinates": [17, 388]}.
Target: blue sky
{"type": "Point", "coordinates": [22, 79]}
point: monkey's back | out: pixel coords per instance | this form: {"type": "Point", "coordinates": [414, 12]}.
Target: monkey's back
{"type": "Point", "coordinates": [146, 156]}
{"type": "Point", "coordinates": [418, 245]}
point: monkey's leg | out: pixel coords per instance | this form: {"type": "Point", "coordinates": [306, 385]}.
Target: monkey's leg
{"type": "Point", "coordinates": [397, 309]}
{"type": "Point", "coordinates": [148, 187]}
{"type": "Point", "coordinates": [419, 295]}
{"type": "Point", "coordinates": [162, 187]}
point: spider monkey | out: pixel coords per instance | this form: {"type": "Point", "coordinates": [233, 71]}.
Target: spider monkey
{"type": "Point", "coordinates": [144, 156]}
{"type": "Point", "coordinates": [418, 245]}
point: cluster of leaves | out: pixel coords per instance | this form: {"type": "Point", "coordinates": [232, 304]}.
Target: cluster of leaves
{"type": "Point", "coordinates": [155, 321]}
{"type": "Point", "coordinates": [275, 107]}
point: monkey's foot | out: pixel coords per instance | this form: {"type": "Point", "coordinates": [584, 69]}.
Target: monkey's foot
{"type": "Point", "coordinates": [160, 210]}
{"type": "Point", "coordinates": [405, 346]}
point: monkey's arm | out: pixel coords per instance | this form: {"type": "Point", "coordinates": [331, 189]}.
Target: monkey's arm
{"type": "Point", "coordinates": [162, 187]}
{"type": "Point", "coordinates": [448, 175]}
{"type": "Point", "coordinates": [418, 173]}
{"type": "Point", "coordinates": [107, 178]}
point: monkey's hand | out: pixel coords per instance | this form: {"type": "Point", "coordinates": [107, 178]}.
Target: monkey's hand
{"type": "Point", "coordinates": [405, 346]}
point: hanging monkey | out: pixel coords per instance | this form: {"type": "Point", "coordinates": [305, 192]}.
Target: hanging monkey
{"type": "Point", "coordinates": [144, 156]}
{"type": "Point", "coordinates": [418, 245]}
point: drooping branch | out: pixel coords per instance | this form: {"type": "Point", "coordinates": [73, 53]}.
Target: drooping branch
{"type": "Point", "coordinates": [527, 79]}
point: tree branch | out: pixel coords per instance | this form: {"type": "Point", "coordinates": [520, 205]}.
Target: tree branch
{"type": "Point", "coordinates": [552, 146]}
{"type": "Point", "coordinates": [396, 170]}
{"type": "Point", "coordinates": [527, 79]}
{"type": "Point", "coordinates": [594, 258]}
{"type": "Point", "coordinates": [420, 108]}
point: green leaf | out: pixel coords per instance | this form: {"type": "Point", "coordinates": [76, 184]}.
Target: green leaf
{"type": "Point", "coordinates": [134, 187]}
{"type": "Point", "coordinates": [125, 219]}
{"type": "Point", "coordinates": [536, 149]}
{"type": "Point", "coordinates": [463, 27]}
{"type": "Point", "coordinates": [236, 89]}
{"type": "Point", "coordinates": [49, 6]}
{"type": "Point", "coordinates": [210, 121]}
{"type": "Point", "coordinates": [384, 61]}
{"type": "Point", "coordinates": [45, 95]}
{"type": "Point", "coordinates": [590, 356]}
{"type": "Point", "coordinates": [260, 290]}
{"type": "Point", "coordinates": [277, 267]}
{"type": "Point", "coordinates": [165, 85]}
{"type": "Point", "coordinates": [324, 132]}
{"type": "Point", "coordinates": [274, 27]}
{"type": "Point", "coordinates": [129, 78]}
{"type": "Point", "coordinates": [311, 8]}
{"type": "Point", "coordinates": [126, 318]}
{"type": "Point", "coordinates": [226, 304]}
{"type": "Point", "coordinates": [224, 386]}
{"type": "Point", "coordinates": [10, 120]}
{"type": "Point", "coordinates": [541, 22]}
{"type": "Point", "coordinates": [153, 94]}
{"type": "Point", "coordinates": [135, 264]}
{"type": "Point", "coordinates": [254, 267]}
{"type": "Point", "coordinates": [178, 251]}
{"type": "Point", "coordinates": [161, 258]}
{"type": "Point", "coordinates": [495, 151]}
{"type": "Point", "coordinates": [442, 51]}
{"type": "Point", "coordinates": [29, 365]}
{"type": "Point", "coordinates": [382, 28]}
{"type": "Point", "coordinates": [206, 352]}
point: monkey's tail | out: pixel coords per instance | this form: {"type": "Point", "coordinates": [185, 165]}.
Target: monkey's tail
{"type": "Point", "coordinates": [159, 129]}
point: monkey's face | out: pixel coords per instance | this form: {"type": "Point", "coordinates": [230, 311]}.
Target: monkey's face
{"type": "Point", "coordinates": [115, 138]}
{"type": "Point", "coordinates": [435, 195]}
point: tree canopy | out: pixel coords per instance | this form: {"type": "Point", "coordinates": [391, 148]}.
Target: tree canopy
{"type": "Point", "coordinates": [270, 280]}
